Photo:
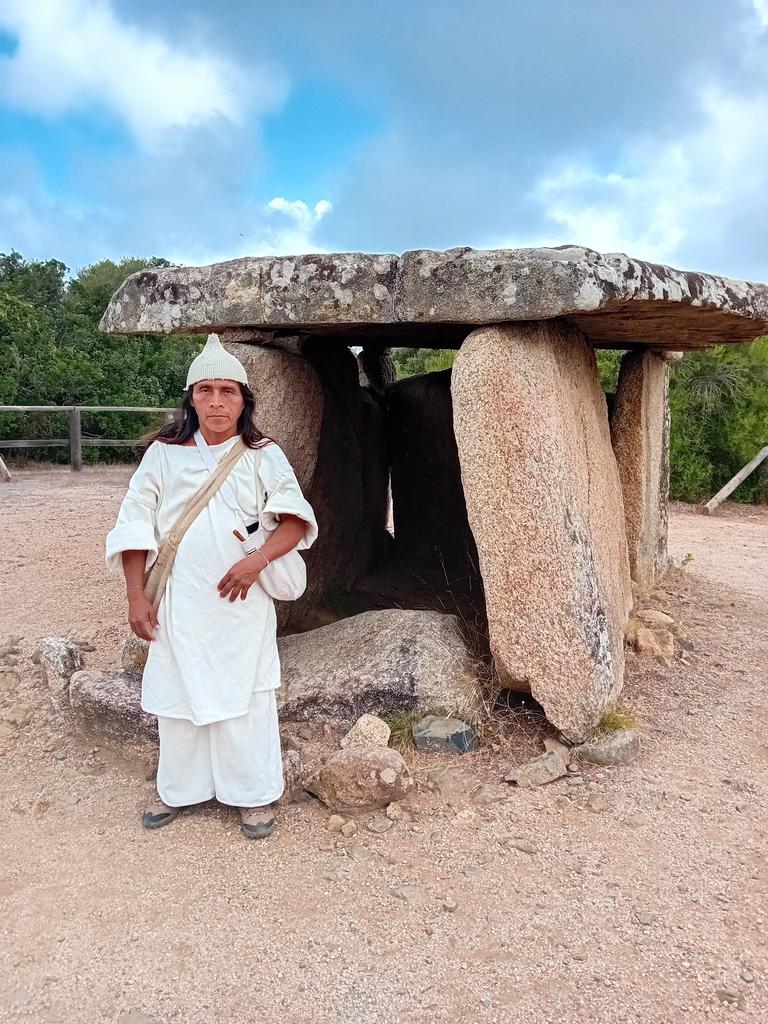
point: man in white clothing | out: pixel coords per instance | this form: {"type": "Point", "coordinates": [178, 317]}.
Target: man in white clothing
{"type": "Point", "coordinates": [213, 665]}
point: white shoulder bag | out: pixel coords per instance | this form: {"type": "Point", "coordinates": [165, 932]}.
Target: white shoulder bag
{"type": "Point", "coordinates": [284, 578]}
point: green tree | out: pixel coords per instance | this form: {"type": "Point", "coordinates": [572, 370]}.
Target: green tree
{"type": "Point", "coordinates": [40, 283]}
{"type": "Point", "coordinates": [56, 355]}
{"type": "Point", "coordinates": [410, 362]}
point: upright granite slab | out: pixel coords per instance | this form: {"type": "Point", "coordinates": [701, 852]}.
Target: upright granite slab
{"type": "Point", "coordinates": [544, 502]}
{"type": "Point", "coordinates": [433, 299]}
{"type": "Point", "coordinates": [640, 435]}
{"type": "Point", "coordinates": [289, 401]}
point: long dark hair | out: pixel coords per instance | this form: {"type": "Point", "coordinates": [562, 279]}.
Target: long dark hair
{"type": "Point", "coordinates": [184, 424]}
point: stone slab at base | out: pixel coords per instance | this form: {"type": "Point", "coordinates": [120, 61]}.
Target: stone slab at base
{"type": "Point", "coordinates": [107, 705]}
{"type": "Point", "coordinates": [375, 662]}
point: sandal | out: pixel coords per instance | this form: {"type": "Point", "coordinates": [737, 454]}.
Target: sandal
{"type": "Point", "coordinates": [158, 814]}
{"type": "Point", "coordinates": [257, 822]}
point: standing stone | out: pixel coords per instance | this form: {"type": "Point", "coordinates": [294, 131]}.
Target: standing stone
{"type": "Point", "coordinates": [289, 402]}
{"type": "Point", "coordinates": [376, 368]}
{"type": "Point", "coordinates": [544, 503]}
{"type": "Point", "coordinates": [332, 432]}
{"type": "Point", "coordinates": [640, 436]}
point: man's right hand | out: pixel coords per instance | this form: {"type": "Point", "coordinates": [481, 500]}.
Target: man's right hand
{"type": "Point", "coordinates": [141, 616]}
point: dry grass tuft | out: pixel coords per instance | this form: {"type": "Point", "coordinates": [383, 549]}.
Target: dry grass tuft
{"type": "Point", "coordinates": [615, 719]}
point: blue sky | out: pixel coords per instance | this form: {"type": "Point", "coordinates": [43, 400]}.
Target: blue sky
{"type": "Point", "coordinates": [202, 131]}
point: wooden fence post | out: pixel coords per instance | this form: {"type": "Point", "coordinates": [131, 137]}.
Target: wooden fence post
{"type": "Point", "coordinates": [75, 441]}
{"type": "Point", "coordinates": [732, 484]}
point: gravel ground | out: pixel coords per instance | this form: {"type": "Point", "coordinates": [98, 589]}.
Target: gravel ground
{"type": "Point", "coordinates": [627, 894]}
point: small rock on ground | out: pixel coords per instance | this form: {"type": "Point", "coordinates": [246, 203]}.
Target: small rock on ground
{"type": "Point", "coordinates": [60, 658]}
{"type": "Point", "coordinates": [445, 734]}
{"type": "Point", "coordinates": [655, 619]}
{"type": "Point", "coordinates": [550, 743]}
{"type": "Point", "coordinates": [658, 643]}
{"type": "Point", "coordinates": [361, 778]}
{"type": "Point", "coordinates": [618, 747]}
{"type": "Point", "coordinates": [542, 769]}
{"type": "Point", "coordinates": [368, 731]}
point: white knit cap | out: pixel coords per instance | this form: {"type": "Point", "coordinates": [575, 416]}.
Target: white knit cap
{"type": "Point", "coordinates": [215, 363]}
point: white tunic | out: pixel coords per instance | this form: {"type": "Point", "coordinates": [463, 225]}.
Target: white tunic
{"type": "Point", "coordinates": [210, 654]}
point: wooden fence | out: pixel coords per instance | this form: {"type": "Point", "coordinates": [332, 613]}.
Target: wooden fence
{"type": "Point", "coordinates": [75, 441]}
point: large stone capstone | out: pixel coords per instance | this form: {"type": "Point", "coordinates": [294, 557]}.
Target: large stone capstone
{"type": "Point", "coordinates": [433, 299]}
{"type": "Point", "coordinates": [545, 506]}
{"type": "Point", "coordinates": [640, 435]}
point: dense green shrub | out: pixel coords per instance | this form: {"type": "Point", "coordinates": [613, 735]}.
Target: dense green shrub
{"type": "Point", "coordinates": [53, 354]}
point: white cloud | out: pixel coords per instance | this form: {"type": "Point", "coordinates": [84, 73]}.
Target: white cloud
{"type": "Point", "coordinates": [283, 227]}
{"type": "Point", "coordinates": [294, 235]}
{"type": "Point", "coordinates": [77, 54]}
{"type": "Point", "coordinates": [761, 10]}
{"type": "Point", "coordinates": [672, 201]}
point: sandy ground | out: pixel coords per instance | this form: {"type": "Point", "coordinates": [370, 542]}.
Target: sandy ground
{"type": "Point", "coordinates": [629, 894]}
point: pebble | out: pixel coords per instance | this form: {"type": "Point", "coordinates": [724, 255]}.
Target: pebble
{"type": "Point", "coordinates": [450, 904]}
{"type": "Point", "coordinates": [524, 846]}
{"type": "Point", "coordinates": [17, 714]}
{"type": "Point", "coordinates": [304, 732]}
{"type": "Point", "coordinates": [747, 976]}
{"type": "Point", "coordinates": [397, 813]}
{"type": "Point", "coordinates": [358, 852]}
{"type": "Point", "coordinates": [597, 804]}
{"type": "Point", "coordinates": [348, 829]}
{"type": "Point", "coordinates": [410, 894]}
{"type": "Point", "coordinates": [335, 823]}
{"type": "Point", "coordinates": [381, 823]}
{"type": "Point", "coordinates": [9, 680]}
{"type": "Point", "coordinates": [645, 917]}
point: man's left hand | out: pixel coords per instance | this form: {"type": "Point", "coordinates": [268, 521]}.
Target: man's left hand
{"type": "Point", "coordinates": [241, 577]}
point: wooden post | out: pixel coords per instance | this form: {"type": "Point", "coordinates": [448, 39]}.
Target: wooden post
{"type": "Point", "coordinates": [731, 486]}
{"type": "Point", "coordinates": [75, 441]}
{"type": "Point", "coordinates": [5, 476]}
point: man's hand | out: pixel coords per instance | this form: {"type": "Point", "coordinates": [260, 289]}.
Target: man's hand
{"type": "Point", "coordinates": [241, 577]}
{"type": "Point", "coordinates": [141, 616]}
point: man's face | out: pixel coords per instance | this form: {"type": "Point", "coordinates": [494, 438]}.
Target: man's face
{"type": "Point", "coordinates": [218, 404]}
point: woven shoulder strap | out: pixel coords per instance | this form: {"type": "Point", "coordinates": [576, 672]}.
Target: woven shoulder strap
{"type": "Point", "coordinates": [156, 579]}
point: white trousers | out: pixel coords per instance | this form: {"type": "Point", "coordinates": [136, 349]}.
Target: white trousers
{"type": "Point", "coordinates": [238, 760]}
